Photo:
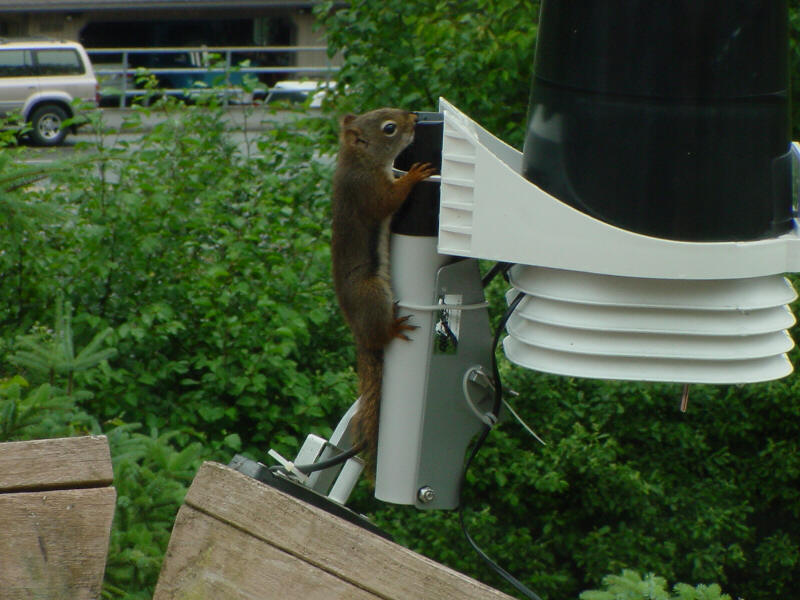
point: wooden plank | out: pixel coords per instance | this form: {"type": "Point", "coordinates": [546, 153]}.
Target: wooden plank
{"type": "Point", "coordinates": [207, 559]}
{"type": "Point", "coordinates": [329, 543]}
{"type": "Point", "coordinates": [53, 544]}
{"type": "Point", "coordinates": [62, 463]}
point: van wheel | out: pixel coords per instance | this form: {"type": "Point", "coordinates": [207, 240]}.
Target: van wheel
{"type": "Point", "coordinates": [47, 125]}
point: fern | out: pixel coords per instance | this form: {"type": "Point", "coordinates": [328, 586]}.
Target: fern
{"type": "Point", "coordinates": [632, 586]}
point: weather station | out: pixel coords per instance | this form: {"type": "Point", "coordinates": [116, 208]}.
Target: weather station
{"type": "Point", "coordinates": [644, 230]}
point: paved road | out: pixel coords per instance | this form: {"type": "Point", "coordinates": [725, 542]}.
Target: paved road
{"type": "Point", "coordinates": [256, 119]}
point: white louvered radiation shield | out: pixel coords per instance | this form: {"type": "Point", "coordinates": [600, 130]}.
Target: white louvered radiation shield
{"type": "Point", "coordinates": [607, 303]}
{"type": "Point", "coordinates": [689, 331]}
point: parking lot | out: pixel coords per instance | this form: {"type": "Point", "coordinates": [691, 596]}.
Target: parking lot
{"type": "Point", "coordinates": [245, 122]}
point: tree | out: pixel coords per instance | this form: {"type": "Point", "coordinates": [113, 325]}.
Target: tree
{"type": "Point", "coordinates": [476, 53]}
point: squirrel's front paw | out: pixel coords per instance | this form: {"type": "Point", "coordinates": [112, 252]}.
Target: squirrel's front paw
{"type": "Point", "coordinates": [420, 171]}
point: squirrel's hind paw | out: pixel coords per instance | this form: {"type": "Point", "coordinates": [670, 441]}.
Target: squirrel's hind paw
{"type": "Point", "coordinates": [400, 325]}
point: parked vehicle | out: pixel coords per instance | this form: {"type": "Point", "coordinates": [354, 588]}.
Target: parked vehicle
{"type": "Point", "coordinates": [187, 74]}
{"type": "Point", "coordinates": [40, 79]}
{"type": "Point", "coordinates": [299, 91]}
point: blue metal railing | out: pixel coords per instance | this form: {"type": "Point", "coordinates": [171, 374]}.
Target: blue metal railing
{"type": "Point", "coordinates": [204, 64]}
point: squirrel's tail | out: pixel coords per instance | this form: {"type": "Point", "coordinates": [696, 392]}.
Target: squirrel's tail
{"type": "Point", "coordinates": [370, 381]}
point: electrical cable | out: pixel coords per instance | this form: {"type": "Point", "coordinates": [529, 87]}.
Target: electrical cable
{"type": "Point", "coordinates": [323, 464]}
{"type": "Point", "coordinates": [498, 389]}
{"type": "Point", "coordinates": [486, 418]}
{"type": "Point", "coordinates": [500, 267]}
{"type": "Point", "coordinates": [441, 306]}
{"type": "Point", "coordinates": [524, 424]}
{"type": "Point", "coordinates": [513, 581]}
{"type": "Point", "coordinates": [330, 462]}
{"type": "Point", "coordinates": [498, 400]}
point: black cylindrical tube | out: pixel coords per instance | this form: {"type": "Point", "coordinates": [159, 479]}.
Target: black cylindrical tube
{"type": "Point", "coordinates": [419, 215]}
{"type": "Point", "coordinates": [670, 119]}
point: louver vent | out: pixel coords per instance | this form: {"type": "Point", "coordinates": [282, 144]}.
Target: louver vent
{"type": "Point", "coordinates": [589, 325]}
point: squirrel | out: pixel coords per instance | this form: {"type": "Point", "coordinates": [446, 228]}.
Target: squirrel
{"type": "Point", "coordinates": [365, 196]}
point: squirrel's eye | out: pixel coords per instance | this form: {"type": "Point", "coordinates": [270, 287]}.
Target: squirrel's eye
{"type": "Point", "coordinates": [389, 127]}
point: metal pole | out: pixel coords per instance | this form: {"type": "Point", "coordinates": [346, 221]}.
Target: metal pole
{"type": "Point", "coordinates": [227, 75]}
{"type": "Point", "coordinates": [124, 95]}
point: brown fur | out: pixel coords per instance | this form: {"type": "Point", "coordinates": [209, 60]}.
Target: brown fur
{"type": "Point", "coordinates": [365, 196]}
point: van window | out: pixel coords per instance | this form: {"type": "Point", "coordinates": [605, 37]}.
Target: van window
{"type": "Point", "coordinates": [59, 62]}
{"type": "Point", "coordinates": [16, 63]}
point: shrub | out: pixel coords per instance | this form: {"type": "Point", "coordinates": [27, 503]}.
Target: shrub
{"type": "Point", "coordinates": [631, 586]}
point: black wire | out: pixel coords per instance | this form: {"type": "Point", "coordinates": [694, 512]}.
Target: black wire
{"type": "Point", "coordinates": [500, 267]}
{"type": "Point", "coordinates": [498, 401]}
{"type": "Point", "coordinates": [450, 335]}
{"type": "Point", "coordinates": [513, 581]}
{"type": "Point", "coordinates": [498, 389]}
{"type": "Point", "coordinates": [331, 462]}
{"type": "Point", "coordinates": [324, 464]}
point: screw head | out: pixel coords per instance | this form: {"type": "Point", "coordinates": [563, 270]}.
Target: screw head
{"type": "Point", "coordinates": [426, 494]}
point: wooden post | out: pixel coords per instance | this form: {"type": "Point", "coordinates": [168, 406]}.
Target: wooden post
{"type": "Point", "coordinates": [236, 538]}
{"type": "Point", "coordinates": [56, 508]}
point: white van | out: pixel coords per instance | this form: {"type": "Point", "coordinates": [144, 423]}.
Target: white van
{"type": "Point", "coordinates": [39, 79]}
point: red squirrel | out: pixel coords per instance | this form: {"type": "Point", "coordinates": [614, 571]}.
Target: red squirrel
{"type": "Point", "coordinates": [365, 196]}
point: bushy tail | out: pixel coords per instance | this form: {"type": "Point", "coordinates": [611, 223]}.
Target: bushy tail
{"type": "Point", "coordinates": [366, 420]}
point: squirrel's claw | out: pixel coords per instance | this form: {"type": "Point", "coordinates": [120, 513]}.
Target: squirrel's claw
{"type": "Point", "coordinates": [399, 325]}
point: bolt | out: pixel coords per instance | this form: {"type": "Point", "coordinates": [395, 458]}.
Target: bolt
{"type": "Point", "coordinates": [426, 494]}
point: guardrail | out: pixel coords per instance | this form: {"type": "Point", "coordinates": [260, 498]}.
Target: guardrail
{"type": "Point", "coordinates": [205, 64]}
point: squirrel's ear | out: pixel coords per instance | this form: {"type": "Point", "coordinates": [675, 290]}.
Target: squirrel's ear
{"type": "Point", "coordinates": [350, 136]}
{"type": "Point", "coordinates": [349, 133]}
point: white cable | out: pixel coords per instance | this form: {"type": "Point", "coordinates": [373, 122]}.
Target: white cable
{"type": "Point", "coordinates": [523, 423]}
{"type": "Point", "coordinates": [487, 418]}
{"type": "Point", "coordinates": [430, 307]}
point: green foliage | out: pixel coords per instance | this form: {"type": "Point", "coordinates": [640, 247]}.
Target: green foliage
{"type": "Point", "coordinates": [48, 410]}
{"type": "Point", "coordinates": [627, 481]}
{"type": "Point", "coordinates": [39, 412]}
{"type": "Point", "coordinates": [631, 586]}
{"type": "Point", "coordinates": [151, 478]}
{"type": "Point", "coordinates": [207, 270]}
{"type": "Point", "coordinates": [794, 64]}
{"type": "Point", "coordinates": [476, 53]}
{"type": "Point", "coordinates": [53, 353]}
{"type": "Point", "coordinates": [195, 300]}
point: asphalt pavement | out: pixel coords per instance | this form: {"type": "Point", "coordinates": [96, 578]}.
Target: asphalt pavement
{"type": "Point", "coordinates": [255, 117]}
